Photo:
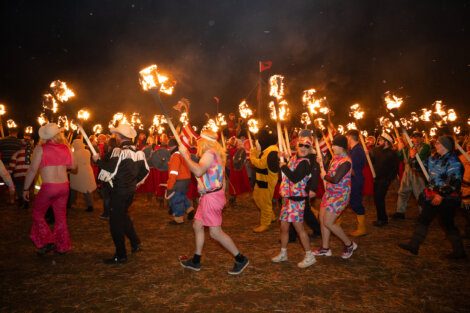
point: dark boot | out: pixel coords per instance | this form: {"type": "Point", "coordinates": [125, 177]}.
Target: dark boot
{"type": "Point", "coordinates": [416, 240]}
{"type": "Point", "coordinates": [458, 251]}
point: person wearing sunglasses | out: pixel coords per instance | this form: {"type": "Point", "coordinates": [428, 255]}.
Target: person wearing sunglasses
{"type": "Point", "coordinates": [293, 190]}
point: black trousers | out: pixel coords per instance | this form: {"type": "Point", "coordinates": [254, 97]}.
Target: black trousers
{"type": "Point", "coordinates": [120, 223]}
{"type": "Point", "coordinates": [380, 192]}
{"type": "Point", "coordinates": [309, 219]}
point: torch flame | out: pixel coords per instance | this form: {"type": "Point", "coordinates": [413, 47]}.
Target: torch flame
{"type": "Point", "coordinates": [314, 104]}
{"type": "Point", "coordinates": [351, 125]}
{"type": "Point", "coordinates": [425, 115]}
{"type": "Point", "coordinates": [356, 112]}
{"type": "Point", "coordinates": [319, 123]}
{"type": "Point", "coordinates": [273, 110]}
{"type": "Point", "coordinates": [245, 111]}
{"type": "Point", "coordinates": [283, 110]}
{"type": "Point", "coordinates": [158, 120]}
{"type": "Point", "coordinates": [451, 115]}
{"type": "Point", "coordinates": [151, 78]}
{"type": "Point", "coordinates": [456, 130]}
{"type": "Point", "coordinates": [220, 120]}
{"type": "Point", "coordinates": [276, 83]}
{"type": "Point", "coordinates": [42, 119]}
{"type": "Point", "coordinates": [305, 119]}
{"type": "Point", "coordinates": [83, 115]}
{"type": "Point", "coordinates": [433, 131]}
{"type": "Point", "coordinates": [28, 130]}
{"type": "Point", "coordinates": [211, 125]}
{"type": "Point", "coordinates": [63, 122]}
{"type": "Point", "coordinates": [49, 103]}
{"type": "Point", "coordinates": [97, 129]}
{"type": "Point", "coordinates": [341, 129]}
{"type": "Point", "coordinates": [61, 91]}
{"type": "Point", "coordinates": [11, 124]}
{"type": "Point", "coordinates": [414, 117]}
{"type": "Point", "coordinates": [2, 109]}
{"type": "Point", "coordinates": [253, 125]}
{"type": "Point", "coordinates": [392, 101]}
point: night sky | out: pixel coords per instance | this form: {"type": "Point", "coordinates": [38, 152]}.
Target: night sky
{"type": "Point", "coordinates": [352, 51]}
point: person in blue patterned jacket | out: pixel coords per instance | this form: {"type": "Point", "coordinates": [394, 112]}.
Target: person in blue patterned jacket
{"type": "Point", "coordinates": [440, 198]}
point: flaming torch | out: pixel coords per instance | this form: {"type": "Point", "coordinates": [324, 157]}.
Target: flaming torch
{"type": "Point", "coordinates": [97, 129]}
{"type": "Point", "coordinates": [451, 117]}
{"type": "Point", "coordinates": [313, 105]}
{"type": "Point", "coordinates": [154, 82]}
{"type": "Point", "coordinates": [28, 130]}
{"type": "Point", "coordinates": [11, 124]}
{"type": "Point", "coordinates": [393, 104]}
{"type": "Point", "coordinates": [305, 120]}
{"type": "Point", "coordinates": [276, 90]}
{"type": "Point", "coordinates": [220, 122]}
{"type": "Point", "coordinates": [246, 113]}
{"type": "Point", "coordinates": [358, 114]}
{"type": "Point", "coordinates": [2, 112]}
{"type": "Point", "coordinates": [253, 126]}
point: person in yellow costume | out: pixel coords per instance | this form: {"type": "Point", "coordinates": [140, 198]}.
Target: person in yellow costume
{"type": "Point", "coordinates": [266, 166]}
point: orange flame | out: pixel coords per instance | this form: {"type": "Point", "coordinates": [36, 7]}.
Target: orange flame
{"type": "Point", "coordinates": [253, 125]}
{"type": "Point", "coordinates": [61, 91]}
{"type": "Point", "coordinates": [245, 111]}
{"type": "Point", "coordinates": [151, 78]}
{"type": "Point", "coordinates": [97, 129]}
{"type": "Point", "coordinates": [276, 83]}
{"type": "Point", "coordinates": [83, 115]}
{"type": "Point", "coordinates": [28, 130]}
{"type": "Point", "coordinates": [392, 101]}
{"type": "Point", "coordinates": [2, 109]}
{"type": "Point", "coordinates": [11, 124]}
{"type": "Point", "coordinates": [305, 119]}
{"type": "Point", "coordinates": [356, 112]}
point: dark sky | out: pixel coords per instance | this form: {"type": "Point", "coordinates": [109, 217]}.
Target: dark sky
{"type": "Point", "coordinates": [352, 51]}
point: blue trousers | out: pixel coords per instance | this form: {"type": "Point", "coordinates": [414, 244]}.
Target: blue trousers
{"type": "Point", "coordinates": [356, 196]}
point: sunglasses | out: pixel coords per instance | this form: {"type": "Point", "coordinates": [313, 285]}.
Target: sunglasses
{"type": "Point", "coordinates": [301, 145]}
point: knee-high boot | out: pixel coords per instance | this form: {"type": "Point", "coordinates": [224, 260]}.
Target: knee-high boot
{"type": "Point", "coordinates": [416, 240]}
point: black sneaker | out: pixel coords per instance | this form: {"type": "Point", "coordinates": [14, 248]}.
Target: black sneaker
{"type": "Point", "coordinates": [398, 216]}
{"type": "Point", "coordinates": [191, 215]}
{"type": "Point", "coordinates": [380, 223]}
{"type": "Point", "coordinates": [409, 248]}
{"type": "Point", "coordinates": [190, 265]}
{"type": "Point", "coordinates": [137, 248]}
{"type": "Point", "coordinates": [115, 260]}
{"type": "Point", "coordinates": [239, 267]}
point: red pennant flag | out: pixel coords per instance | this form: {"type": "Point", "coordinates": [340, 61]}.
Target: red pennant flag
{"type": "Point", "coordinates": [187, 135]}
{"type": "Point", "coordinates": [265, 65]}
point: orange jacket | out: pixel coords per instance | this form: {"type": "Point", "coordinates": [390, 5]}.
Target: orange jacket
{"type": "Point", "coordinates": [177, 170]}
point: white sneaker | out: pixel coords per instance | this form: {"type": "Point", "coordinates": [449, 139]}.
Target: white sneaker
{"type": "Point", "coordinates": [322, 252]}
{"type": "Point", "coordinates": [281, 257]}
{"type": "Point", "coordinates": [308, 260]}
{"type": "Point", "coordinates": [349, 250]}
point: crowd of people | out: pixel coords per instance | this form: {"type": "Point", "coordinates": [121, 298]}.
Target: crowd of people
{"type": "Point", "coordinates": [195, 180]}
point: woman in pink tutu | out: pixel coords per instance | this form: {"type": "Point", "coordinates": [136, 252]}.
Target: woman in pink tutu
{"type": "Point", "coordinates": [211, 186]}
{"type": "Point", "coordinates": [51, 159]}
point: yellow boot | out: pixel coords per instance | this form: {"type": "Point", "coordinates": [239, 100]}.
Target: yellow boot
{"type": "Point", "coordinates": [260, 228]}
{"type": "Point", "coordinates": [361, 227]}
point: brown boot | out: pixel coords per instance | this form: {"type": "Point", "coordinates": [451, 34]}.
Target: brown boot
{"type": "Point", "coordinates": [361, 227]}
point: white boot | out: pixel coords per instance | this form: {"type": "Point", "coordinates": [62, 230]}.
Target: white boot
{"type": "Point", "coordinates": [308, 260]}
{"type": "Point", "coordinates": [281, 257]}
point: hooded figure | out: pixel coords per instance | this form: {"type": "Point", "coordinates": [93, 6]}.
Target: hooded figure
{"type": "Point", "coordinates": [266, 166]}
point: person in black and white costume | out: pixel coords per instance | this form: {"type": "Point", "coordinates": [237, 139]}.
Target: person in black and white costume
{"type": "Point", "coordinates": [124, 171]}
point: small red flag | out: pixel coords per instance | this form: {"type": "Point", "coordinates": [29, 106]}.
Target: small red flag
{"type": "Point", "coordinates": [265, 65]}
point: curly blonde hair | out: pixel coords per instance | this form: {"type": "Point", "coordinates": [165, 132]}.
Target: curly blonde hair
{"type": "Point", "coordinates": [204, 144]}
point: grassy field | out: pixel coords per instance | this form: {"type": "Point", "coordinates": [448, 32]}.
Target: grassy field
{"type": "Point", "coordinates": [378, 278]}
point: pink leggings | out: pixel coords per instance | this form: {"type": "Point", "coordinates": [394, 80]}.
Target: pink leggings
{"type": "Point", "coordinates": [55, 195]}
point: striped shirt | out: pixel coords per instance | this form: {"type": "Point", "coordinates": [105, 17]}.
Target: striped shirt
{"type": "Point", "coordinates": [18, 166]}
{"type": "Point", "coordinates": [8, 146]}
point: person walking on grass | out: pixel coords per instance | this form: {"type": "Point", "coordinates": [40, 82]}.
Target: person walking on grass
{"type": "Point", "coordinates": [336, 198]}
{"type": "Point", "coordinates": [293, 190]}
{"type": "Point", "coordinates": [124, 171]}
{"type": "Point", "coordinates": [441, 198]}
{"type": "Point", "coordinates": [51, 158]}
{"type": "Point", "coordinates": [210, 171]}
